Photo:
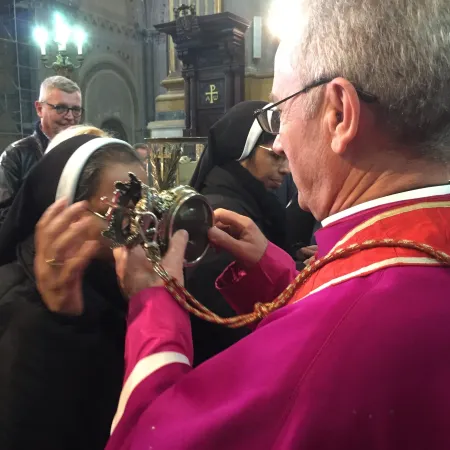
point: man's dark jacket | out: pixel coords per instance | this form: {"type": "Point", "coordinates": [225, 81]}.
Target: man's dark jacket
{"type": "Point", "coordinates": [15, 163]}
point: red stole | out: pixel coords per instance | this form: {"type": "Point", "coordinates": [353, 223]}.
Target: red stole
{"type": "Point", "coordinates": [425, 222]}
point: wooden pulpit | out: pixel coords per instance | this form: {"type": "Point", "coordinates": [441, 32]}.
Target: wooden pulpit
{"type": "Point", "coordinates": [211, 49]}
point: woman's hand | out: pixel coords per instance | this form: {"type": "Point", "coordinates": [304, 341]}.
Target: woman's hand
{"type": "Point", "coordinates": [306, 254]}
{"type": "Point", "coordinates": [239, 236]}
{"type": "Point", "coordinates": [135, 271]}
{"type": "Point", "coordinates": [63, 250]}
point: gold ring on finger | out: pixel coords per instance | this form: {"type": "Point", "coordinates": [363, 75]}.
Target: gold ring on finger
{"type": "Point", "coordinates": [53, 262]}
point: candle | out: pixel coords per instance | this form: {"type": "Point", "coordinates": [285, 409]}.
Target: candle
{"type": "Point", "coordinates": [41, 37]}
{"type": "Point", "coordinates": [80, 39]}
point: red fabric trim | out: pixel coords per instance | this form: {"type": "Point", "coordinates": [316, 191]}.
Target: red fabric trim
{"type": "Point", "coordinates": [426, 226]}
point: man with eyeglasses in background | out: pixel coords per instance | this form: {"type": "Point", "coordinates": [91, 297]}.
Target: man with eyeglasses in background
{"type": "Point", "coordinates": [58, 107]}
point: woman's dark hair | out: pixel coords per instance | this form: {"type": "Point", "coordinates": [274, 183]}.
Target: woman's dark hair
{"type": "Point", "coordinates": [264, 139]}
{"type": "Point", "coordinates": [101, 159]}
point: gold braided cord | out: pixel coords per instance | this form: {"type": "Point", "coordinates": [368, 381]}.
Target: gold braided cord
{"type": "Point", "coordinates": [262, 310]}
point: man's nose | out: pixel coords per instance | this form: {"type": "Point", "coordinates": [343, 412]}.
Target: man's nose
{"type": "Point", "coordinates": [276, 147]}
{"type": "Point", "coordinates": [69, 115]}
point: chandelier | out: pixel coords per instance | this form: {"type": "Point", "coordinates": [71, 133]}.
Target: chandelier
{"type": "Point", "coordinates": [61, 35]}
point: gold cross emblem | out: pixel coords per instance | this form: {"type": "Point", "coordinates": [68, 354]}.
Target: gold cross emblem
{"type": "Point", "coordinates": [213, 95]}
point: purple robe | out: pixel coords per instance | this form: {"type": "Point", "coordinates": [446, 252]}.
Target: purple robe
{"type": "Point", "coordinates": [364, 364]}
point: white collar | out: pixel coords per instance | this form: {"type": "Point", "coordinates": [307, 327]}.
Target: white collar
{"type": "Point", "coordinates": [408, 195]}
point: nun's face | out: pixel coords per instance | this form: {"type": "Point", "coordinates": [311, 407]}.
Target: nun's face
{"type": "Point", "coordinates": [113, 173]}
{"type": "Point", "coordinates": [267, 166]}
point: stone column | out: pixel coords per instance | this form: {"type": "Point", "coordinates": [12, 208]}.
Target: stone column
{"type": "Point", "coordinates": [169, 107]}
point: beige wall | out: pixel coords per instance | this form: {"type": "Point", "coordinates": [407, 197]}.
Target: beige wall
{"type": "Point", "coordinates": [115, 10]}
{"type": "Point", "coordinates": [258, 87]}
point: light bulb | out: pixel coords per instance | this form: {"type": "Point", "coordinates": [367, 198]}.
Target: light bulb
{"type": "Point", "coordinates": [62, 32]}
{"type": "Point", "coordinates": [40, 35]}
{"type": "Point", "coordinates": [285, 18]}
{"type": "Point", "coordinates": [79, 38]}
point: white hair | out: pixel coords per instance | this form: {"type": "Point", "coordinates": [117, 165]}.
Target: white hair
{"type": "Point", "coordinates": [57, 82]}
{"type": "Point", "coordinates": [397, 50]}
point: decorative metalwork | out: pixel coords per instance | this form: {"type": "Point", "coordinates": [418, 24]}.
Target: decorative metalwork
{"type": "Point", "coordinates": [140, 215]}
{"type": "Point", "coordinates": [212, 95]}
{"type": "Point", "coordinates": [164, 162]}
{"type": "Point", "coordinates": [63, 65]}
{"type": "Point", "coordinates": [184, 10]}
{"type": "Point", "coordinates": [186, 22]}
{"type": "Point", "coordinates": [172, 161]}
{"type": "Point", "coordinates": [62, 34]}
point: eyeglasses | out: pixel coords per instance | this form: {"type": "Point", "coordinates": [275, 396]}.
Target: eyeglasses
{"type": "Point", "coordinates": [266, 148]}
{"type": "Point", "coordinates": [269, 117]}
{"type": "Point", "coordinates": [95, 213]}
{"type": "Point", "coordinates": [62, 110]}
{"type": "Point", "coordinates": [280, 159]}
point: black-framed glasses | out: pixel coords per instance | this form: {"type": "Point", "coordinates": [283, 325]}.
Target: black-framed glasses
{"type": "Point", "coordinates": [269, 117]}
{"type": "Point", "coordinates": [62, 109]}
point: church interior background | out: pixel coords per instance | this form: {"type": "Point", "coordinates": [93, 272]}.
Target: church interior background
{"type": "Point", "coordinates": [130, 76]}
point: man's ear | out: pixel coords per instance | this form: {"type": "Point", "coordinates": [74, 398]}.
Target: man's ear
{"type": "Point", "coordinates": [38, 106]}
{"type": "Point", "coordinates": [343, 114]}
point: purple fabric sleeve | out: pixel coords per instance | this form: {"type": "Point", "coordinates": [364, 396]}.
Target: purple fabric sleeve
{"type": "Point", "coordinates": [241, 289]}
{"type": "Point", "coordinates": [156, 323]}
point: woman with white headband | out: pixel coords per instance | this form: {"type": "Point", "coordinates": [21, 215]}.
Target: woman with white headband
{"type": "Point", "coordinates": [62, 314]}
{"type": "Point", "coordinates": [238, 171]}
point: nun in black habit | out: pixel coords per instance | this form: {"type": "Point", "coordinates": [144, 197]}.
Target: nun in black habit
{"type": "Point", "coordinates": [237, 171]}
{"type": "Point", "coordinates": [61, 371]}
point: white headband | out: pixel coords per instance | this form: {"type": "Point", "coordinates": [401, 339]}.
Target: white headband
{"type": "Point", "coordinates": [254, 134]}
{"type": "Point", "coordinates": [73, 169]}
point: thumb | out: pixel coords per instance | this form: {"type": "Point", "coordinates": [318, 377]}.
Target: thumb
{"type": "Point", "coordinates": [119, 253]}
{"type": "Point", "coordinates": [223, 240]}
{"type": "Point", "coordinates": [173, 261]}
{"type": "Point", "coordinates": [121, 257]}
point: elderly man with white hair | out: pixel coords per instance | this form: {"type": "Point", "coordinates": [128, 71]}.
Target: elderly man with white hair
{"type": "Point", "coordinates": [354, 353]}
{"type": "Point", "coordinates": [59, 107]}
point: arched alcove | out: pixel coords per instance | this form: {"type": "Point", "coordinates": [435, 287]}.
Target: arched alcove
{"type": "Point", "coordinates": [115, 128]}
{"type": "Point", "coordinates": [109, 93]}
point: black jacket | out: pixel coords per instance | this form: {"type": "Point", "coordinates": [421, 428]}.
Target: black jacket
{"type": "Point", "coordinates": [15, 163]}
{"type": "Point", "coordinates": [300, 225]}
{"type": "Point", "coordinates": [223, 190]}
{"type": "Point", "coordinates": [60, 377]}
